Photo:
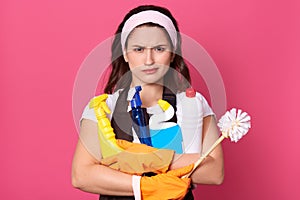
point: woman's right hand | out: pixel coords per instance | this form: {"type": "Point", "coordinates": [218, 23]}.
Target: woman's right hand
{"type": "Point", "coordinates": [168, 185]}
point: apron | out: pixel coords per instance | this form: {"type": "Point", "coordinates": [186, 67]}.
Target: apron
{"type": "Point", "coordinates": [122, 124]}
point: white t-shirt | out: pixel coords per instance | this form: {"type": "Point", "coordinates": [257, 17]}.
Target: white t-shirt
{"type": "Point", "coordinates": [193, 147]}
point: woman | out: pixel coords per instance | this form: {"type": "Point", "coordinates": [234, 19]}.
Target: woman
{"type": "Point", "coordinates": [146, 51]}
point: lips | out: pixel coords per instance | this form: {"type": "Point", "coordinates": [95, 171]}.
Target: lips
{"type": "Point", "coordinates": [150, 71]}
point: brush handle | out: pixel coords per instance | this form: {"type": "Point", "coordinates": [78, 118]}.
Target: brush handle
{"type": "Point", "coordinates": [198, 162]}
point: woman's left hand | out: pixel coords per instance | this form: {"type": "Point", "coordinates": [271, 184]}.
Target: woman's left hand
{"type": "Point", "coordinates": [139, 158]}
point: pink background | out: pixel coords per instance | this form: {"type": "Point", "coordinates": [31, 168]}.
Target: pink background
{"type": "Point", "coordinates": [253, 42]}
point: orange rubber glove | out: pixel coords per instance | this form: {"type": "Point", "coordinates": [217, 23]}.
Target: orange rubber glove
{"type": "Point", "coordinates": [167, 185]}
{"type": "Point", "coordinates": [139, 158]}
{"type": "Point", "coordinates": [135, 147]}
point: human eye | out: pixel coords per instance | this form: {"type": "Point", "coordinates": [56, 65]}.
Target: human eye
{"type": "Point", "coordinates": [138, 49]}
{"type": "Point", "coordinates": [160, 49]}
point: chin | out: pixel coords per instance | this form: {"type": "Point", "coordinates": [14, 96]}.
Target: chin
{"type": "Point", "coordinates": [153, 81]}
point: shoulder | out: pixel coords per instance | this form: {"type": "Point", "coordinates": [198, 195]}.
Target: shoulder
{"type": "Point", "coordinates": [89, 113]}
{"type": "Point", "coordinates": [207, 110]}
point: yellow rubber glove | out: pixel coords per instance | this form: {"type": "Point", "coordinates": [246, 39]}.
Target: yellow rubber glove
{"type": "Point", "coordinates": [107, 137]}
{"type": "Point", "coordinates": [139, 158]}
{"type": "Point", "coordinates": [167, 185]}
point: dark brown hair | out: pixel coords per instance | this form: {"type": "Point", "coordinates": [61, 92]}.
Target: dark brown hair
{"type": "Point", "coordinates": [119, 78]}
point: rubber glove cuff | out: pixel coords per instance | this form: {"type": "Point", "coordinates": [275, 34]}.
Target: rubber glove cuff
{"type": "Point", "coordinates": [136, 187]}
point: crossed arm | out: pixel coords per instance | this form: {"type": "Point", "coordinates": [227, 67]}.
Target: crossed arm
{"type": "Point", "coordinates": [90, 176]}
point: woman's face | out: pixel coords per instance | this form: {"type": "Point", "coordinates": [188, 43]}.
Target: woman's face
{"type": "Point", "coordinates": [148, 54]}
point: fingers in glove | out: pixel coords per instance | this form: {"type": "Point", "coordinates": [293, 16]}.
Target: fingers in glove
{"type": "Point", "coordinates": [181, 171]}
{"type": "Point", "coordinates": [164, 186]}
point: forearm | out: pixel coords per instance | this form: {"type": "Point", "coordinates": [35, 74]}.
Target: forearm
{"type": "Point", "coordinates": [210, 171]}
{"type": "Point", "coordinates": [88, 175]}
{"type": "Point", "coordinates": [103, 180]}
{"type": "Point", "coordinates": [181, 160]}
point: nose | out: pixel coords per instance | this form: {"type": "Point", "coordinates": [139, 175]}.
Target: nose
{"type": "Point", "coordinates": [149, 57]}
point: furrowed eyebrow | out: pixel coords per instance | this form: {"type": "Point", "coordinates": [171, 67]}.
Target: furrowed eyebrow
{"type": "Point", "coordinates": [136, 45]}
{"type": "Point", "coordinates": [141, 46]}
{"type": "Point", "coordinates": [161, 45]}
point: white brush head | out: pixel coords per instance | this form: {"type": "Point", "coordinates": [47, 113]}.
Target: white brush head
{"type": "Point", "coordinates": [235, 124]}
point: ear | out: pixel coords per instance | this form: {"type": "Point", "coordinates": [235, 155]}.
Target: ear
{"type": "Point", "coordinates": [125, 56]}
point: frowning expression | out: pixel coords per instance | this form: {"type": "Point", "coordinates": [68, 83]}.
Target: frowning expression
{"type": "Point", "coordinates": [149, 54]}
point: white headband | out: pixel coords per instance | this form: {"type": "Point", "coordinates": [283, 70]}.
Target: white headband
{"type": "Point", "coordinates": [145, 17]}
